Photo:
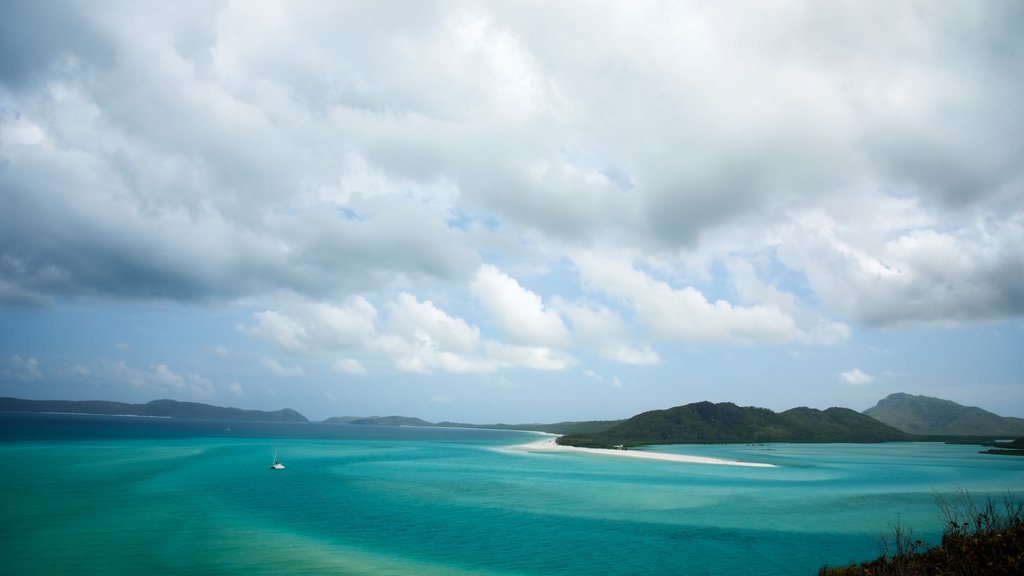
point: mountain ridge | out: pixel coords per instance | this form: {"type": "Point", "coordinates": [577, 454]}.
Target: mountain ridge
{"type": "Point", "coordinates": [926, 415]}
{"type": "Point", "coordinates": [725, 422]}
{"type": "Point", "coordinates": [160, 408]}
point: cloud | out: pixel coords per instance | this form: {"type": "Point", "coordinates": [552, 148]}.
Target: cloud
{"type": "Point", "coordinates": [422, 338]}
{"type": "Point", "coordinates": [520, 312]}
{"type": "Point", "coordinates": [23, 369]}
{"type": "Point", "coordinates": [599, 328]}
{"type": "Point", "coordinates": [310, 327]}
{"type": "Point", "coordinates": [814, 326]}
{"type": "Point", "coordinates": [218, 352]}
{"type": "Point", "coordinates": [414, 335]}
{"type": "Point", "coordinates": [286, 333]}
{"type": "Point", "coordinates": [683, 314]}
{"type": "Point", "coordinates": [349, 366]}
{"type": "Point", "coordinates": [889, 276]}
{"type": "Point", "coordinates": [161, 379]}
{"type": "Point", "coordinates": [337, 153]}
{"type": "Point", "coordinates": [277, 369]}
{"type": "Point", "coordinates": [166, 379]}
{"type": "Point", "coordinates": [856, 377]}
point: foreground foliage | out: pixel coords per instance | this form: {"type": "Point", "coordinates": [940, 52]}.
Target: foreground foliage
{"type": "Point", "coordinates": [985, 540]}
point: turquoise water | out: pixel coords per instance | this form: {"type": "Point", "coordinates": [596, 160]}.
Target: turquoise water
{"type": "Point", "coordinates": [103, 495]}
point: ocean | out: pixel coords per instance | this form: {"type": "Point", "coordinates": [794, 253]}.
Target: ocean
{"type": "Point", "coordinates": [127, 495]}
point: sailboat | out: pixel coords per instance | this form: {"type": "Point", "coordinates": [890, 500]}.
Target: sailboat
{"type": "Point", "coordinates": [276, 465]}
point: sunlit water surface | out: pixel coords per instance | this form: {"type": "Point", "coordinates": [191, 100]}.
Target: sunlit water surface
{"type": "Point", "coordinates": [108, 495]}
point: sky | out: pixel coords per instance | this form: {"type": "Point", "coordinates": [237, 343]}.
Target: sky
{"type": "Point", "coordinates": [512, 211]}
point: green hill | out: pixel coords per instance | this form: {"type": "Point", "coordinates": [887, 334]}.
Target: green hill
{"type": "Point", "coordinates": [704, 422]}
{"type": "Point", "coordinates": [161, 408]}
{"type": "Point", "coordinates": [936, 417]}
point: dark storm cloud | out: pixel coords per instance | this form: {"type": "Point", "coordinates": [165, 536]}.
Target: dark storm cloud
{"type": "Point", "coordinates": [36, 37]}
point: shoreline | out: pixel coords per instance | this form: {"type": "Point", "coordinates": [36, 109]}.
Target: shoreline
{"type": "Point", "coordinates": [549, 445]}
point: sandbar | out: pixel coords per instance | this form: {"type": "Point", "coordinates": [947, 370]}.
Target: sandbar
{"type": "Point", "coordinates": [549, 445]}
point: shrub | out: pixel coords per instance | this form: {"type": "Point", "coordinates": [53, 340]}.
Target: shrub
{"type": "Point", "coordinates": [983, 539]}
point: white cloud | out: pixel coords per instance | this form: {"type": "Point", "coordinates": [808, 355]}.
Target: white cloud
{"type": "Point", "coordinates": [615, 382]}
{"type": "Point", "coordinates": [278, 369]}
{"type": "Point", "coordinates": [161, 373]}
{"type": "Point", "coordinates": [520, 312]}
{"type": "Point", "coordinates": [601, 329]}
{"type": "Point", "coordinates": [218, 351]}
{"type": "Point", "coordinates": [199, 386]}
{"type": "Point", "coordinates": [349, 366]}
{"type": "Point", "coordinates": [856, 377]}
{"type": "Point", "coordinates": [163, 378]}
{"type": "Point", "coordinates": [423, 338]}
{"type": "Point", "coordinates": [24, 369]}
{"type": "Point", "coordinates": [430, 328]}
{"type": "Point", "coordinates": [160, 379]}
{"type": "Point", "coordinates": [307, 327]}
{"type": "Point", "coordinates": [682, 313]}
{"type": "Point", "coordinates": [896, 277]}
{"type": "Point", "coordinates": [813, 326]}
{"type": "Point", "coordinates": [285, 333]}
{"type": "Point", "coordinates": [235, 388]}
{"type": "Point", "coordinates": [535, 357]}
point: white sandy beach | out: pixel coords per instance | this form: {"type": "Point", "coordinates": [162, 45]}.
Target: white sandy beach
{"type": "Point", "coordinates": [549, 445]}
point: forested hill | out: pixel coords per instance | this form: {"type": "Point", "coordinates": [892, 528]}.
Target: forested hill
{"type": "Point", "coordinates": [162, 408]}
{"type": "Point", "coordinates": [934, 416]}
{"type": "Point", "coordinates": [705, 422]}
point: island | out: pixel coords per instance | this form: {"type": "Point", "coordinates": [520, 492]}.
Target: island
{"type": "Point", "coordinates": [156, 408]}
{"type": "Point", "coordinates": [725, 422]}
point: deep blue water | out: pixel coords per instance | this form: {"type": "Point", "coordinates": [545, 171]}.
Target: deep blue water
{"type": "Point", "coordinates": [119, 495]}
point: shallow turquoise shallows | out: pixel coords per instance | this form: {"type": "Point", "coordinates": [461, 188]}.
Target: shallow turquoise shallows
{"type": "Point", "coordinates": [108, 495]}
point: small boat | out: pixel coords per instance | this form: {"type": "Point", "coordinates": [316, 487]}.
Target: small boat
{"type": "Point", "coordinates": [277, 464]}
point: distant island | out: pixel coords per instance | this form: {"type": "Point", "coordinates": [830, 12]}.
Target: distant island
{"type": "Point", "coordinates": [708, 423]}
{"type": "Point", "coordinates": [929, 416]}
{"type": "Point", "coordinates": [156, 408]}
{"type": "Point", "coordinates": [556, 428]}
{"type": "Point", "coordinates": [379, 421]}
{"type": "Point", "coordinates": [897, 417]}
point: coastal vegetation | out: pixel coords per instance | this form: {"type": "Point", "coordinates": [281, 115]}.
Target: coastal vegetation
{"type": "Point", "coordinates": [705, 422]}
{"type": "Point", "coordinates": [978, 539]}
{"type": "Point", "coordinates": [1012, 448]}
